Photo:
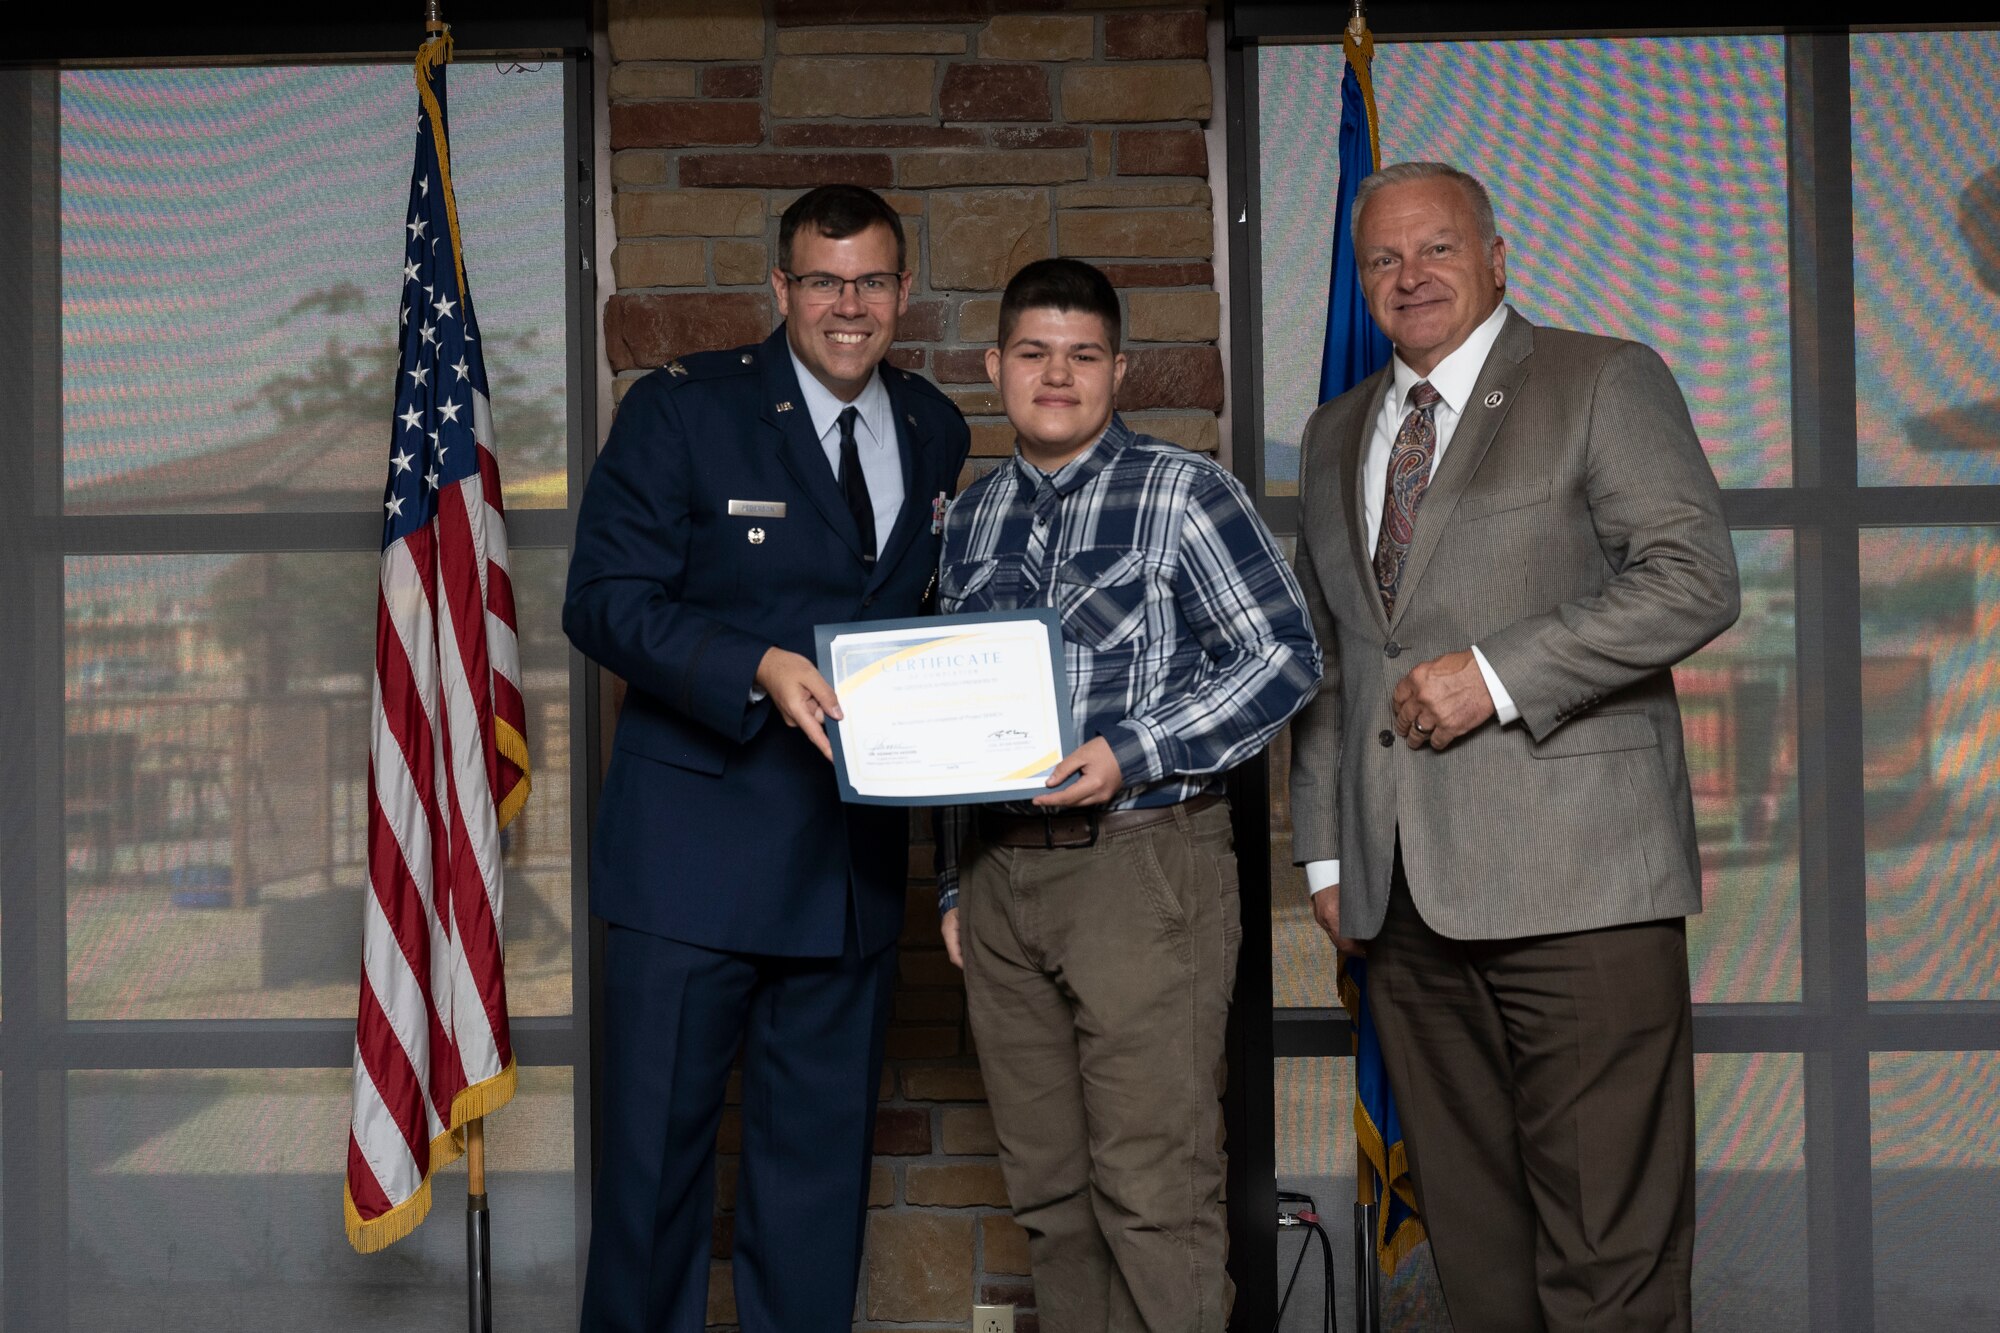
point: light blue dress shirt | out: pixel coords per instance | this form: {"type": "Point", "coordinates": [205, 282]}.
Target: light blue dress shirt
{"type": "Point", "coordinates": [874, 439]}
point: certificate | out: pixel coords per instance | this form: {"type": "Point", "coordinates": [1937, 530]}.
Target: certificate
{"type": "Point", "coordinates": [947, 709]}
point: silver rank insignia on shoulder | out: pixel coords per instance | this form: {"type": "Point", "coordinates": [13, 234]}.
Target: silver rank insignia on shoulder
{"type": "Point", "coordinates": [1495, 398]}
{"type": "Point", "coordinates": [676, 368]}
{"type": "Point", "coordinates": [785, 406]}
{"type": "Point", "coordinates": [756, 536]}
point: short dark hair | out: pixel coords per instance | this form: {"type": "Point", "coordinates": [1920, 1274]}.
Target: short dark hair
{"type": "Point", "coordinates": [838, 212]}
{"type": "Point", "coordinates": [1060, 284]}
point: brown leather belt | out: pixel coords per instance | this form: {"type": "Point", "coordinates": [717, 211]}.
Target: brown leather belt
{"type": "Point", "coordinates": [1078, 828]}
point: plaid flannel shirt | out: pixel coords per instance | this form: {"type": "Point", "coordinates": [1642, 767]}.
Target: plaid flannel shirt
{"type": "Point", "coordinates": [1185, 636]}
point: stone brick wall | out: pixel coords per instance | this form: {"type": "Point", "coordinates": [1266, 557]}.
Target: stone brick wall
{"type": "Point", "coordinates": [1000, 137]}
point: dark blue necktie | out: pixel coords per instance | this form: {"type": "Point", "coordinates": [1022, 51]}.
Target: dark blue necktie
{"type": "Point", "coordinates": [854, 486]}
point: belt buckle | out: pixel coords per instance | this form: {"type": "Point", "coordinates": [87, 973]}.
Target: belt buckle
{"type": "Point", "coordinates": [1049, 832]}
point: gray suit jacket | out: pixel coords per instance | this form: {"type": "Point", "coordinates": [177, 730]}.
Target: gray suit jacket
{"type": "Point", "coordinates": [1574, 532]}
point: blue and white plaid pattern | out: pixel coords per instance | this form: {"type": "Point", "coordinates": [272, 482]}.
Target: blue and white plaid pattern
{"type": "Point", "coordinates": [1185, 636]}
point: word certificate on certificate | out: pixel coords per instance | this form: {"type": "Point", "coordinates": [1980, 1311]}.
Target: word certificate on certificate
{"type": "Point", "coordinates": [946, 709]}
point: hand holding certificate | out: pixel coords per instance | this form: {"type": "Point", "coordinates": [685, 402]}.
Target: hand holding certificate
{"type": "Point", "coordinates": [947, 708]}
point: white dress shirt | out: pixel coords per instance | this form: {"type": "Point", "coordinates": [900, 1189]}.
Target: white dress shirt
{"type": "Point", "coordinates": [1453, 379]}
{"type": "Point", "coordinates": [874, 439]}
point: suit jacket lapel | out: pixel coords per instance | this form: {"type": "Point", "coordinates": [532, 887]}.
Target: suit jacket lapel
{"type": "Point", "coordinates": [1492, 397]}
{"type": "Point", "coordinates": [1353, 450]}
{"type": "Point", "coordinates": [799, 449]}
{"type": "Point", "coordinates": [912, 442]}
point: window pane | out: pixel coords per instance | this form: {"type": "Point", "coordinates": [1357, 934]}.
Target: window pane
{"type": "Point", "coordinates": [211, 1199]}
{"type": "Point", "coordinates": [1302, 957]}
{"type": "Point", "coordinates": [1926, 257]}
{"type": "Point", "coordinates": [232, 248]}
{"type": "Point", "coordinates": [1314, 1101]}
{"type": "Point", "coordinates": [1315, 1123]}
{"type": "Point", "coordinates": [1930, 680]}
{"type": "Point", "coordinates": [1750, 1190]}
{"type": "Point", "coordinates": [1739, 719]}
{"type": "Point", "coordinates": [1640, 184]}
{"type": "Point", "coordinates": [215, 786]}
{"type": "Point", "coordinates": [1935, 1133]}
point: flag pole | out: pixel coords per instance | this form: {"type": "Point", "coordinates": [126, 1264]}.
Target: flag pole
{"type": "Point", "coordinates": [1367, 1269]}
{"type": "Point", "coordinates": [1369, 1200]}
{"type": "Point", "coordinates": [478, 1229]}
{"type": "Point", "coordinates": [478, 1269]}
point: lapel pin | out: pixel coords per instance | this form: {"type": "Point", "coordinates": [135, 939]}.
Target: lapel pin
{"type": "Point", "coordinates": [785, 406]}
{"type": "Point", "coordinates": [910, 417]}
{"type": "Point", "coordinates": [756, 536]}
{"type": "Point", "coordinates": [1495, 398]}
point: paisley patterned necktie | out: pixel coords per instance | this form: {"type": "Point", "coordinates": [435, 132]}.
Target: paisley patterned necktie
{"type": "Point", "coordinates": [1409, 475]}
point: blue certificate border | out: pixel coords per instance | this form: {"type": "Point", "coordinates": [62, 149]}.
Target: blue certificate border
{"type": "Point", "coordinates": [823, 636]}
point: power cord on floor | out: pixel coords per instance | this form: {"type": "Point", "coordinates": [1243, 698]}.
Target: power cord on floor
{"type": "Point", "coordinates": [1305, 1215]}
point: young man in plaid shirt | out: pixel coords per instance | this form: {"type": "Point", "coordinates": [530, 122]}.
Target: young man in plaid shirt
{"type": "Point", "coordinates": [1098, 925]}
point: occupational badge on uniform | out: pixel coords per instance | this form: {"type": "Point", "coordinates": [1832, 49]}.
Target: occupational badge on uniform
{"type": "Point", "coordinates": [1495, 398]}
{"type": "Point", "coordinates": [938, 506]}
{"type": "Point", "coordinates": [785, 406]}
{"type": "Point", "coordinates": [756, 536]}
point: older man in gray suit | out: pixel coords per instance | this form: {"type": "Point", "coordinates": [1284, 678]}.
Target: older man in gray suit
{"type": "Point", "coordinates": [1507, 538]}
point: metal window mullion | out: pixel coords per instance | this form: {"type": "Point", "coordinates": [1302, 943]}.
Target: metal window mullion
{"type": "Point", "coordinates": [1246, 295]}
{"type": "Point", "coordinates": [277, 1043]}
{"type": "Point", "coordinates": [1248, 1110]}
{"type": "Point", "coordinates": [1833, 906]}
{"type": "Point", "coordinates": [34, 1155]}
{"type": "Point", "coordinates": [254, 534]}
{"type": "Point", "coordinates": [588, 168]}
{"type": "Point", "coordinates": [1863, 506]}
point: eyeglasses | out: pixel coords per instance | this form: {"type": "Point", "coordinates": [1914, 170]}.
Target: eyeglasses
{"type": "Point", "coordinates": [825, 288]}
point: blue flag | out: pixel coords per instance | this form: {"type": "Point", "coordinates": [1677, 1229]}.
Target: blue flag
{"type": "Point", "coordinates": [1356, 349]}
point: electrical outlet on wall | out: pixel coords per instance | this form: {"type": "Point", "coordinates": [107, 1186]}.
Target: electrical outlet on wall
{"type": "Point", "coordinates": [992, 1319]}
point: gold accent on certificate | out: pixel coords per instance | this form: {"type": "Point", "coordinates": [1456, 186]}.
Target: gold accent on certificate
{"type": "Point", "coordinates": [756, 508]}
{"type": "Point", "coordinates": [950, 708]}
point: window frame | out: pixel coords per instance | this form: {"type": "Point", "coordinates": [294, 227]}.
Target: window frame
{"type": "Point", "coordinates": [1834, 1026]}
{"type": "Point", "coordinates": [39, 1045]}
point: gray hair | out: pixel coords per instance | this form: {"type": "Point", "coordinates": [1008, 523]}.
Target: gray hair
{"type": "Point", "coordinates": [1403, 173]}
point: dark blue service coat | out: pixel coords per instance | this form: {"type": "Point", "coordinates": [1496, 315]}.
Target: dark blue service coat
{"type": "Point", "coordinates": [719, 825]}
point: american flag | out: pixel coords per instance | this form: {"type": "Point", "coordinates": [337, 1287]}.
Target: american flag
{"type": "Point", "coordinates": [448, 761]}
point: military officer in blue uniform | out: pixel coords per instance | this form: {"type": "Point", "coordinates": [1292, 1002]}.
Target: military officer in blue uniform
{"type": "Point", "coordinates": [742, 498]}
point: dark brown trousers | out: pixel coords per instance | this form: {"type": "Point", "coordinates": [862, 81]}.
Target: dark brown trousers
{"type": "Point", "coordinates": [1546, 1087]}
